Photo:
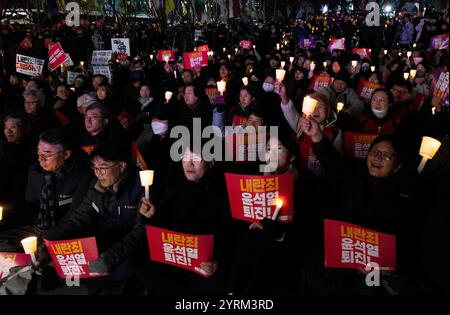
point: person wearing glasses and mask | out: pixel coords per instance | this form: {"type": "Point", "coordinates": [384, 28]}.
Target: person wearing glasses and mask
{"type": "Point", "coordinates": [109, 208]}
{"type": "Point", "coordinates": [378, 193]}
{"type": "Point", "coordinates": [56, 184]}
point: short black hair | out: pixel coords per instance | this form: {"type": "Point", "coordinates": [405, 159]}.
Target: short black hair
{"type": "Point", "coordinates": [104, 110]}
{"type": "Point", "coordinates": [25, 122]}
{"type": "Point", "coordinates": [55, 137]}
{"type": "Point", "coordinates": [403, 83]}
{"type": "Point", "coordinates": [397, 145]}
{"type": "Point", "coordinates": [113, 150]}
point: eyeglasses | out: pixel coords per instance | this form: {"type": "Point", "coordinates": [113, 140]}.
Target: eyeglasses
{"type": "Point", "coordinates": [386, 156]}
{"type": "Point", "coordinates": [46, 156]}
{"type": "Point", "coordinates": [103, 170]}
{"type": "Point", "coordinates": [380, 100]}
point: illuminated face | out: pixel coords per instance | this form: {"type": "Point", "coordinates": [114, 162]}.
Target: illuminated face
{"type": "Point", "coordinates": [321, 112]}
{"type": "Point", "coordinates": [245, 98]}
{"type": "Point", "coordinates": [144, 92]}
{"type": "Point", "coordinates": [94, 122]}
{"type": "Point", "coordinates": [401, 93]}
{"type": "Point", "coordinates": [13, 130]}
{"type": "Point", "coordinates": [224, 73]}
{"type": "Point", "coordinates": [107, 172]}
{"type": "Point", "coordinates": [51, 157]}
{"type": "Point", "coordinates": [374, 79]}
{"type": "Point", "coordinates": [32, 105]}
{"type": "Point", "coordinates": [96, 81]}
{"type": "Point", "coordinates": [62, 92]}
{"type": "Point", "coordinates": [336, 67]}
{"type": "Point", "coordinates": [382, 160]}
{"type": "Point", "coordinates": [102, 92]}
{"type": "Point", "coordinates": [189, 96]}
{"type": "Point", "coordinates": [299, 75]}
{"type": "Point", "coordinates": [340, 86]}
{"type": "Point", "coordinates": [380, 101]}
{"type": "Point", "coordinates": [278, 156]}
{"type": "Point", "coordinates": [194, 167]}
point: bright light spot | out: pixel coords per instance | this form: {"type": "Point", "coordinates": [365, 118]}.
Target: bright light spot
{"type": "Point", "coordinates": [388, 9]}
{"type": "Point", "coordinates": [325, 9]}
{"type": "Point", "coordinates": [279, 203]}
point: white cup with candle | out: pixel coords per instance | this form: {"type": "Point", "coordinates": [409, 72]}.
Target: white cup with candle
{"type": "Point", "coordinates": [414, 45]}
{"type": "Point", "coordinates": [280, 74]}
{"type": "Point", "coordinates": [221, 86]}
{"type": "Point", "coordinates": [312, 66]}
{"type": "Point", "coordinates": [29, 245]}
{"type": "Point", "coordinates": [168, 95]}
{"type": "Point", "coordinates": [151, 57]}
{"type": "Point", "coordinates": [372, 68]}
{"type": "Point", "coordinates": [254, 46]}
{"type": "Point", "coordinates": [245, 81]}
{"type": "Point", "coordinates": [236, 50]}
{"type": "Point", "coordinates": [278, 46]}
{"type": "Point", "coordinates": [406, 75]}
{"type": "Point", "coordinates": [309, 105]}
{"type": "Point", "coordinates": [339, 106]}
{"type": "Point", "coordinates": [224, 49]}
{"type": "Point", "coordinates": [409, 54]}
{"type": "Point", "coordinates": [354, 63]}
{"type": "Point", "coordinates": [1, 213]}
{"type": "Point", "coordinates": [81, 64]}
{"type": "Point", "coordinates": [385, 51]}
{"type": "Point", "coordinates": [413, 73]}
{"type": "Point", "coordinates": [146, 181]}
{"type": "Point", "coordinates": [283, 64]}
{"type": "Point", "coordinates": [229, 57]}
{"type": "Point", "coordinates": [276, 212]}
{"type": "Point", "coordinates": [433, 110]}
{"type": "Point", "coordinates": [291, 59]}
{"type": "Point", "coordinates": [325, 64]}
{"type": "Point", "coordinates": [427, 151]}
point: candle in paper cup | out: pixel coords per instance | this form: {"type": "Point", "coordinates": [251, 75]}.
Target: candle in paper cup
{"type": "Point", "coordinates": [81, 64]}
{"type": "Point", "coordinates": [224, 49]}
{"type": "Point", "coordinates": [146, 181]}
{"type": "Point", "coordinates": [283, 64]}
{"type": "Point", "coordinates": [413, 73]}
{"type": "Point", "coordinates": [280, 73]}
{"type": "Point", "coordinates": [372, 68]}
{"type": "Point", "coordinates": [309, 105]}
{"type": "Point", "coordinates": [428, 150]}
{"type": "Point", "coordinates": [229, 57]}
{"type": "Point", "coordinates": [433, 110]}
{"type": "Point", "coordinates": [385, 51]}
{"type": "Point", "coordinates": [29, 245]}
{"type": "Point", "coordinates": [1, 213]}
{"type": "Point", "coordinates": [254, 46]}
{"type": "Point", "coordinates": [236, 50]}
{"type": "Point", "coordinates": [278, 46]}
{"type": "Point", "coordinates": [291, 59]}
{"type": "Point", "coordinates": [221, 86]}
{"type": "Point", "coordinates": [151, 57]}
{"type": "Point", "coordinates": [168, 96]}
{"type": "Point", "coordinates": [406, 75]}
{"type": "Point", "coordinates": [277, 209]}
{"type": "Point", "coordinates": [354, 63]}
{"type": "Point", "coordinates": [325, 64]}
{"type": "Point", "coordinates": [340, 106]}
{"type": "Point", "coordinates": [409, 54]}
{"type": "Point", "coordinates": [245, 81]}
{"type": "Point", "coordinates": [312, 66]}
{"type": "Point", "coordinates": [414, 45]}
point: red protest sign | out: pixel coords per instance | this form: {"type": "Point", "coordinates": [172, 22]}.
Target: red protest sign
{"type": "Point", "coordinates": [202, 48]}
{"type": "Point", "coordinates": [439, 42]}
{"type": "Point", "coordinates": [10, 260]}
{"type": "Point", "coordinates": [180, 250]}
{"type": "Point", "coordinates": [364, 53]}
{"type": "Point", "coordinates": [195, 59]}
{"type": "Point", "coordinates": [439, 85]}
{"type": "Point", "coordinates": [163, 54]}
{"type": "Point", "coordinates": [336, 44]}
{"type": "Point", "coordinates": [246, 44]}
{"type": "Point", "coordinates": [56, 56]}
{"type": "Point", "coordinates": [71, 257]}
{"type": "Point", "coordinates": [253, 198]}
{"type": "Point", "coordinates": [366, 89]}
{"type": "Point", "coordinates": [213, 94]}
{"type": "Point", "coordinates": [320, 81]}
{"type": "Point", "coordinates": [352, 246]}
{"type": "Point", "coordinates": [356, 145]}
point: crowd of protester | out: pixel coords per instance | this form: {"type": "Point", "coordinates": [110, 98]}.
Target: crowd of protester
{"type": "Point", "coordinates": [68, 152]}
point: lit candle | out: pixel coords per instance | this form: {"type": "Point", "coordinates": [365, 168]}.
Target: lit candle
{"type": "Point", "coordinates": [236, 50]}
{"type": "Point", "coordinates": [254, 46]}
{"type": "Point", "coordinates": [312, 66]}
{"type": "Point", "coordinates": [385, 51]}
{"type": "Point", "coordinates": [325, 64]}
{"type": "Point", "coordinates": [428, 149]}
{"type": "Point", "coordinates": [81, 64]}
{"type": "Point", "coordinates": [400, 54]}
{"type": "Point", "coordinates": [406, 75]}
{"type": "Point", "coordinates": [1, 213]}
{"type": "Point", "coordinates": [245, 81]}
{"type": "Point", "coordinates": [340, 106]}
{"type": "Point", "coordinates": [151, 57]}
{"type": "Point", "coordinates": [413, 72]}
{"type": "Point", "coordinates": [354, 63]}
{"type": "Point", "coordinates": [414, 45]}
{"type": "Point", "coordinates": [278, 46]}
{"type": "Point", "coordinates": [166, 59]}
{"type": "Point", "coordinates": [409, 54]}
{"type": "Point", "coordinates": [283, 64]}
{"type": "Point", "coordinates": [29, 245]}
{"type": "Point", "coordinates": [221, 86]}
{"type": "Point", "coordinates": [277, 209]}
{"type": "Point", "coordinates": [229, 57]}
{"type": "Point", "coordinates": [433, 110]}
{"type": "Point", "coordinates": [372, 68]}
{"type": "Point", "coordinates": [168, 96]}
{"type": "Point", "coordinates": [280, 73]}
{"type": "Point", "coordinates": [309, 105]}
{"type": "Point", "coordinates": [175, 73]}
{"type": "Point", "coordinates": [291, 59]}
{"type": "Point", "coordinates": [146, 181]}
{"type": "Point", "coordinates": [224, 49]}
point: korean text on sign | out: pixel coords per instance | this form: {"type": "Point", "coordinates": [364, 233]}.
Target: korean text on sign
{"type": "Point", "coordinates": [357, 145]}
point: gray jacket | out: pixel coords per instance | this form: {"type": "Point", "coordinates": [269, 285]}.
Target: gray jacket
{"type": "Point", "coordinates": [353, 105]}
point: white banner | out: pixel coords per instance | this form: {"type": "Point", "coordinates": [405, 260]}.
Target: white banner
{"type": "Point", "coordinates": [101, 57]}
{"type": "Point", "coordinates": [29, 65]}
{"type": "Point", "coordinates": [71, 76]}
{"type": "Point", "coordinates": [121, 46]}
{"type": "Point", "coordinates": [105, 70]}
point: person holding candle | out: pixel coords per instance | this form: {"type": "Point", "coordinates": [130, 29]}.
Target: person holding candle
{"type": "Point", "coordinates": [248, 103]}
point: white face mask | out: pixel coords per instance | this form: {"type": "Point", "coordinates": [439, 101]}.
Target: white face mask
{"type": "Point", "coordinates": [159, 128]}
{"type": "Point", "coordinates": [380, 113]}
{"type": "Point", "coordinates": [268, 87]}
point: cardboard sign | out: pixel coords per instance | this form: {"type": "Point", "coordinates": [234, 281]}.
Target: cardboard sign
{"type": "Point", "coordinates": [105, 70]}
{"type": "Point", "coordinates": [439, 86]}
{"type": "Point", "coordinates": [121, 48]}
{"type": "Point", "coordinates": [10, 260]}
{"type": "Point", "coordinates": [336, 44]}
{"type": "Point", "coordinates": [195, 59]}
{"type": "Point", "coordinates": [56, 56]}
{"type": "Point", "coordinates": [356, 145]}
{"type": "Point", "coordinates": [440, 42]}
{"type": "Point", "coordinates": [364, 53]}
{"type": "Point", "coordinates": [253, 198]}
{"type": "Point", "coordinates": [320, 81]}
{"type": "Point", "coordinates": [29, 65]}
{"type": "Point", "coordinates": [163, 54]}
{"type": "Point", "coordinates": [202, 48]}
{"type": "Point", "coordinates": [71, 76]}
{"type": "Point", "coordinates": [246, 44]}
{"type": "Point", "coordinates": [71, 257]}
{"type": "Point", "coordinates": [352, 246]}
{"type": "Point", "coordinates": [307, 43]}
{"type": "Point", "coordinates": [180, 250]}
{"type": "Point", "coordinates": [101, 57]}
{"type": "Point", "coordinates": [366, 89]}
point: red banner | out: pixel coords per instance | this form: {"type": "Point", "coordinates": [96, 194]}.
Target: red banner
{"type": "Point", "coordinates": [56, 56]}
{"type": "Point", "coordinates": [10, 260]}
{"type": "Point", "coordinates": [246, 44]}
{"type": "Point", "coordinates": [202, 48]}
{"type": "Point", "coordinates": [440, 42]}
{"type": "Point", "coordinates": [352, 246]}
{"type": "Point", "coordinates": [71, 257]}
{"type": "Point", "coordinates": [180, 250]}
{"type": "Point", "coordinates": [364, 53]}
{"type": "Point", "coordinates": [253, 198]}
{"type": "Point", "coordinates": [366, 89]}
{"type": "Point", "coordinates": [163, 54]}
{"type": "Point", "coordinates": [356, 145]}
{"type": "Point", "coordinates": [320, 81]}
{"type": "Point", "coordinates": [195, 59]}
{"type": "Point", "coordinates": [336, 44]}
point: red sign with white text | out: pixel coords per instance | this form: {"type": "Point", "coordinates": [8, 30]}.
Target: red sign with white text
{"type": "Point", "coordinates": [357, 144]}
{"type": "Point", "coordinates": [163, 54]}
{"type": "Point", "coordinates": [180, 250]}
{"type": "Point", "coordinates": [440, 42]}
{"type": "Point", "coordinates": [253, 198]}
{"type": "Point", "coordinates": [336, 44]}
{"type": "Point", "coordinates": [71, 257]}
{"type": "Point", "coordinates": [320, 81]}
{"type": "Point", "coordinates": [364, 53]}
{"type": "Point", "coordinates": [10, 260]}
{"type": "Point", "coordinates": [56, 56]}
{"type": "Point", "coordinates": [246, 44]}
{"type": "Point", "coordinates": [366, 89]}
{"type": "Point", "coordinates": [195, 59]}
{"type": "Point", "coordinates": [352, 246]}
{"type": "Point", "coordinates": [202, 48]}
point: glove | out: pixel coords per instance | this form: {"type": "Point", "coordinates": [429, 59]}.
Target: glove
{"type": "Point", "coordinates": [98, 266]}
{"type": "Point", "coordinates": [272, 229]}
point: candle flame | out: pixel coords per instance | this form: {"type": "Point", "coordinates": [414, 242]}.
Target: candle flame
{"type": "Point", "coordinates": [279, 203]}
